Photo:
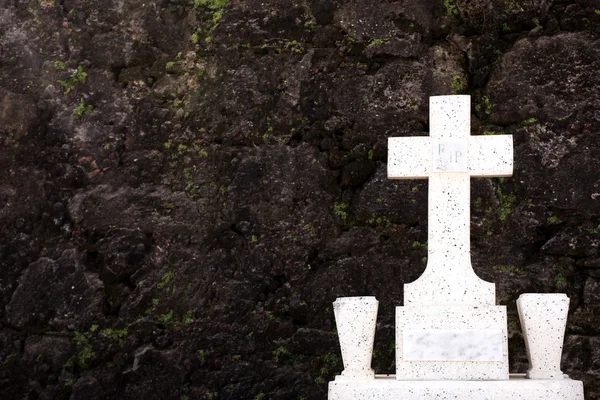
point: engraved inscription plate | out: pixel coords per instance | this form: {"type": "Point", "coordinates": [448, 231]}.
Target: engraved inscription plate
{"type": "Point", "coordinates": [452, 345]}
{"type": "Point", "coordinates": [449, 156]}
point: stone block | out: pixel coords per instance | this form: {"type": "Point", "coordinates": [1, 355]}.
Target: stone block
{"type": "Point", "coordinates": [516, 388]}
{"type": "Point", "coordinates": [451, 343]}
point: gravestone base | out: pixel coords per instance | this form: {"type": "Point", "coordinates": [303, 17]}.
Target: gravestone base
{"type": "Point", "coordinates": [386, 387]}
{"type": "Point", "coordinates": [451, 343]}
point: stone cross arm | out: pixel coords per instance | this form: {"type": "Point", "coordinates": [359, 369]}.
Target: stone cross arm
{"type": "Point", "coordinates": [485, 156]}
{"type": "Point", "coordinates": [449, 157]}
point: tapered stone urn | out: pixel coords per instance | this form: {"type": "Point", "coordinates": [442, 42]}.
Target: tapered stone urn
{"type": "Point", "coordinates": [356, 319]}
{"type": "Point", "coordinates": [543, 320]}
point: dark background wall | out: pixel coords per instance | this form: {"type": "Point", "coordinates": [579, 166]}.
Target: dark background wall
{"type": "Point", "coordinates": [179, 213]}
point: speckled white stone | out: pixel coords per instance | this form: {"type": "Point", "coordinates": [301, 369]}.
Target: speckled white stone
{"type": "Point", "coordinates": [356, 320]}
{"type": "Point", "coordinates": [486, 320]}
{"type": "Point", "coordinates": [543, 320]}
{"type": "Point", "coordinates": [517, 388]}
{"type": "Point", "coordinates": [452, 345]}
{"type": "Point", "coordinates": [448, 158]}
{"type": "Point", "coordinates": [451, 340]}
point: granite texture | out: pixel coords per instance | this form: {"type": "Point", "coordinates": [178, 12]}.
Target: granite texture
{"type": "Point", "coordinates": [517, 388]}
{"type": "Point", "coordinates": [356, 320]}
{"type": "Point", "coordinates": [544, 319]}
{"type": "Point", "coordinates": [445, 159]}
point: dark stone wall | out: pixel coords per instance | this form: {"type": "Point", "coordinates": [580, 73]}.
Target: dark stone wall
{"type": "Point", "coordinates": [187, 186]}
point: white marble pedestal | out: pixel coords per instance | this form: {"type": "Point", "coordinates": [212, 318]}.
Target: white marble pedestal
{"type": "Point", "coordinates": [386, 387]}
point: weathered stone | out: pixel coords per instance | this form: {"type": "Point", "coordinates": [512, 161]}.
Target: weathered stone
{"type": "Point", "coordinates": [54, 351]}
{"type": "Point", "coordinates": [18, 114]}
{"type": "Point", "coordinates": [243, 155]}
{"type": "Point", "coordinates": [551, 95]}
{"type": "Point", "coordinates": [591, 294]}
{"type": "Point", "coordinates": [57, 293]}
{"type": "Point", "coordinates": [448, 75]}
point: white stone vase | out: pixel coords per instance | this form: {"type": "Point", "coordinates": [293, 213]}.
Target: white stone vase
{"type": "Point", "coordinates": [356, 319]}
{"type": "Point", "coordinates": [543, 320]}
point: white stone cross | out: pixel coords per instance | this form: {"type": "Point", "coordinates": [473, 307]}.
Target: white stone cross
{"type": "Point", "coordinates": [449, 157]}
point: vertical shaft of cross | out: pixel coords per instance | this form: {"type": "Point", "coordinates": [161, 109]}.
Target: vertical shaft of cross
{"type": "Point", "coordinates": [449, 157]}
{"type": "Point", "coordinates": [449, 275]}
{"type": "Point", "coordinates": [449, 193]}
{"type": "Point", "coordinates": [448, 230]}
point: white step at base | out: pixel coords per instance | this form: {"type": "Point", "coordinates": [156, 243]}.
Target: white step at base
{"type": "Point", "coordinates": [386, 387]}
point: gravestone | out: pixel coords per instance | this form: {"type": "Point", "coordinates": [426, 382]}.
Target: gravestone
{"type": "Point", "coordinates": [451, 337]}
{"type": "Point", "coordinates": [448, 158]}
{"type": "Point", "coordinates": [449, 304]}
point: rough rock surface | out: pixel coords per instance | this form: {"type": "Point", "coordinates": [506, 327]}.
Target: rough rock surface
{"type": "Point", "coordinates": [187, 185]}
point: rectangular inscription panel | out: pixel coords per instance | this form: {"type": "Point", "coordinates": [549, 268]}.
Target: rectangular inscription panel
{"type": "Point", "coordinates": [452, 345]}
{"type": "Point", "coordinates": [449, 156]}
